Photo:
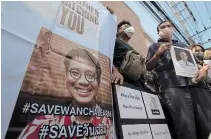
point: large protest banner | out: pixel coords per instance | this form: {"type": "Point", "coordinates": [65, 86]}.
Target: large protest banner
{"type": "Point", "coordinates": [57, 64]}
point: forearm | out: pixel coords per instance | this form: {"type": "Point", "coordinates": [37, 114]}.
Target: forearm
{"type": "Point", "coordinates": [151, 64]}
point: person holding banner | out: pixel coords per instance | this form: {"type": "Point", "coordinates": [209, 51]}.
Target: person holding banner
{"type": "Point", "coordinates": [187, 101]}
{"type": "Point", "coordinates": [83, 77]}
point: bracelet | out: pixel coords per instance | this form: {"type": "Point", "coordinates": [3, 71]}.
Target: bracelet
{"type": "Point", "coordinates": [194, 80]}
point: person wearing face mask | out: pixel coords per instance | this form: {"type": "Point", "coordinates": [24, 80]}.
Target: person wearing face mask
{"type": "Point", "coordinates": [124, 33]}
{"type": "Point", "coordinates": [122, 53]}
{"type": "Point", "coordinates": [186, 101]}
{"type": "Point", "coordinates": [120, 50]}
{"type": "Point", "coordinates": [119, 53]}
{"type": "Point", "coordinates": [198, 52]}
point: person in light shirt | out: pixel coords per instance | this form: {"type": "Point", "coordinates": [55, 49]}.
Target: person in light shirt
{"type": "Point", "coordinates": [186, 101]}
{"type": "Point", "coordinates": [184, 60]}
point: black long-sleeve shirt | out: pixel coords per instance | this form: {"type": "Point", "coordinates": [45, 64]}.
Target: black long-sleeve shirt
{"type": "Point", "coordinates": [120, 51]}
{"type": "Point", "coordinates": [165, 68]}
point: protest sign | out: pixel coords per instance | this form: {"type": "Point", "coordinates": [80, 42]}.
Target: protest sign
{"type": "Point", "coordinates": [130, 103]}
{"type": "Point", "coordinates": [138, 131]}
{"type": "Point", "coordinates": [138, 114]}
{"type": "Point", "coordinates": [184, 61]}
{"type": "Point", "coordinates": [153, 106]}
{"type": "Point", "coordinates": [160, 131]}
{"type": "Point", "coordinates": [64, 87]}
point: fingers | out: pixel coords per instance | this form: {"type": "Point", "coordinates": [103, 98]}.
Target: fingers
{"type": "Point", "coordinates": [199, 78]}
{"type": "Point", "coordinates": [117, 79]}
{"type": "Point", "coordinates": [113, 78]}
{"type": "Point", "coordinates": [206, 66]}
{"type": "Point", "coordinates": [201, 75]}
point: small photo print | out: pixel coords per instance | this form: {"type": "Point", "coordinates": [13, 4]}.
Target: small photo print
{"type": "Point", "coordinates": [184, 62]}
{"type": "Point", "coordinates": [184, 58]}
{"type": "Point", "coordinates": [153, 106]}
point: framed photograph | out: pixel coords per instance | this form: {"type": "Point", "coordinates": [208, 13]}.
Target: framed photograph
{"type": "Point", "coordinates": [184, 62]}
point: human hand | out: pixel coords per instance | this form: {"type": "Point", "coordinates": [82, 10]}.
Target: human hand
{"type": "Point", "coordinates": [163, 47]}
{"type": "Point", "coordinates": [116, 76]}
{"type": "Point", "coordinates": [202, 73]}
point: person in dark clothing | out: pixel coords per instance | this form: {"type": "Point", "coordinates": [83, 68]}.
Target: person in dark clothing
{"type": "Point", "coordinates": [187, 101]}
{"type": "Point", "coordinates": [121, 44]}
{"type": "Point", "coordinates": [120, 50]}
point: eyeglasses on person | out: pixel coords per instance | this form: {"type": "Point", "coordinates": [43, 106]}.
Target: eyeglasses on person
{"type": "Point", "coordinates": [89, 76]}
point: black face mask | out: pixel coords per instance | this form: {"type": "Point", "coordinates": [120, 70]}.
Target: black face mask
{"type": "Point", "coordinates": [199, 55]}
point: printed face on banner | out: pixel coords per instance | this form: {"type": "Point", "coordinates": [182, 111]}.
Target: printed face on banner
{"type": "Point", "coordinates": [130, 103]}
{"type": "Point", "coordinates": [160, 131]}
{"type": "Point", "coordinates": [82, 80]}
{"type": "Point", "coordinates": [184, 61]}
{"type": "Point", "coordinates": [139, 131]}
{"type": "Point", "coordinates": [66, 91]}
{"type": "Point", "coordinates": [153, 107]}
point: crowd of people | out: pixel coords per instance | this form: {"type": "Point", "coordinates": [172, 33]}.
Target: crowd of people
{"type": "Point", "coordinates": [186, 101]}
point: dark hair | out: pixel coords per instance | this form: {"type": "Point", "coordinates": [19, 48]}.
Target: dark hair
{"type": "Point", "coordinates": [195, 45]}
{"type": "Point", "coordinates": [162, 23]}
{"type": "Point", "coordinates": [123, 22]}
{"type": "Point", "coordinates": [84, 54]}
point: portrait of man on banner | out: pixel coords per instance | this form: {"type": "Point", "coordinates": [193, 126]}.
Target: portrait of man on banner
{"type": "Point", "coordinates": [183, 59]}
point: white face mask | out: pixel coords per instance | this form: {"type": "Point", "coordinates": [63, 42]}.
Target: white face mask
{"type": "Point", "coordinates": [129, 31]}
{"type": "Point", "coordinates": [166, 33]}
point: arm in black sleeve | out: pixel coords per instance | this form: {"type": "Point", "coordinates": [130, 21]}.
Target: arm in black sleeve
{"type": "Point", "coordinates": [151, 59]}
